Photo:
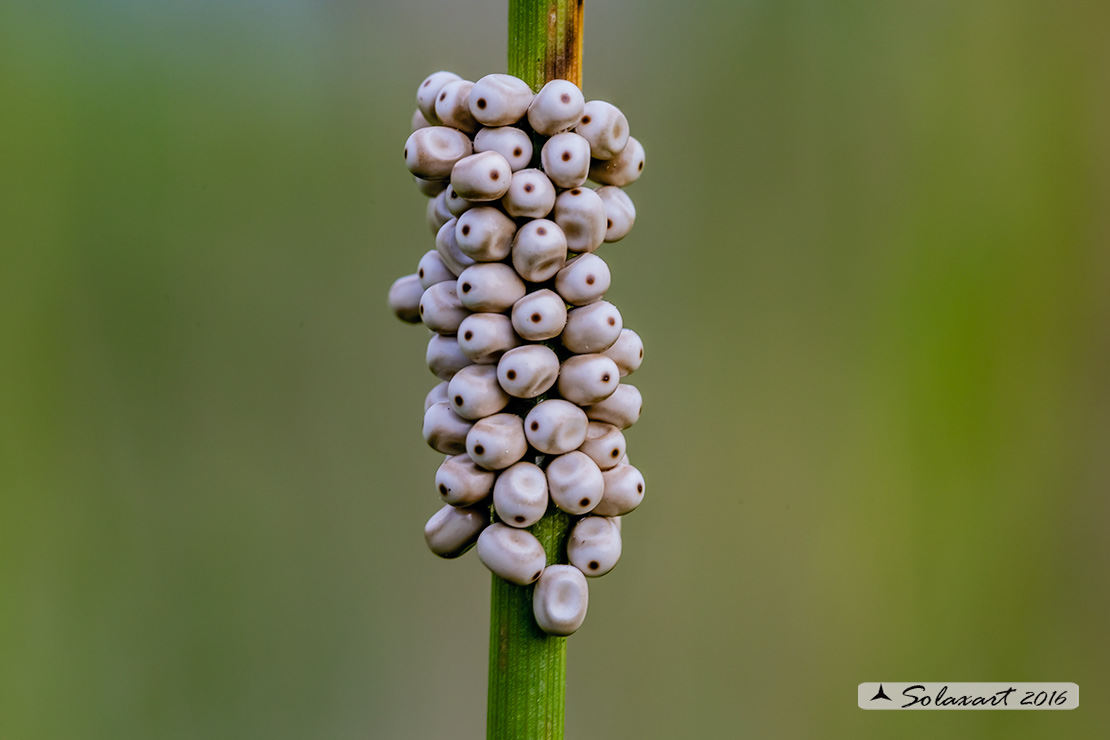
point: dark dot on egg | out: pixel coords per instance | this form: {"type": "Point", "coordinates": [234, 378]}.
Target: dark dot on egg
{"type": "Point", "coordinates": [566, 156]}
{"type": "Point", "coordinates": [565, 98]}
{"type": "Point", "coordinates": [517, 152]}
{"type": "Point", "coordinates": [466, 287]}
{"type": "Point", "coordinates": [479, 450]}
{"type": "Point", "coordinates": [494, 175]}
{"type": "Point", "coordinates": [612, 321]}
{"type": "Point", "coordinates": [585, 120]}
{"type": "Point", "coordinates": [590, 280]}
{"type": "Point", "coordinates": [482, 103]}
{"type": "Point", "coordinates": [468, 336]}
{"type": "Point", "coordinates": [442, 489]}
{"type": "Point", "coordinates": [536, 318]}
{"type": "Point", "coordinates": [541, 231]}
{"type": "Point", "coordinates": [534, 426]}
{"type": "Point", "coordinates": [458, 400]}
{"type": "Point", "coordinates": [511, 375]}
{"type": "Point", "coordinates": [518, 519]}
{"type": "Point", "coordinates": [594, 565]}
{"type": "Point", "coordinates": [528, 188]}
{"type": "Point", "coordinates": [584, 502]}
{"type": "Point", "coordinates": [465, 229]}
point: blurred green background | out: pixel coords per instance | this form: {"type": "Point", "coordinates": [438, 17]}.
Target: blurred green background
{"type": "Point", "coordinates": [871, 269]}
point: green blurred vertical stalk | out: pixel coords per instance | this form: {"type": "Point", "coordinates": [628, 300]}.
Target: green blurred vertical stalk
{"type": "Point", "coordinates": [527, 667]}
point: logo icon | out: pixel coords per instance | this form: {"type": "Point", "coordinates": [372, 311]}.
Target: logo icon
{"type": "Point", "coordinates": [881, 695]}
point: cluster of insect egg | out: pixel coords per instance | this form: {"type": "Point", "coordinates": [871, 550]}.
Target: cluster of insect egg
{"type": "Point", "coordinates": [530, 410]}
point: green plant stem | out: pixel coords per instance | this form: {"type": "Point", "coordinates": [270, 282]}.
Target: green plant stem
{"type": "Point", "coordinates": [545, 41]}
{"type": "Point", "coordinates": [527, 667]}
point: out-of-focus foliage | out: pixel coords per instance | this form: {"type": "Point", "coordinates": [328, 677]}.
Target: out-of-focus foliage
{"type": "Point", "coordinates": [871, 269]}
